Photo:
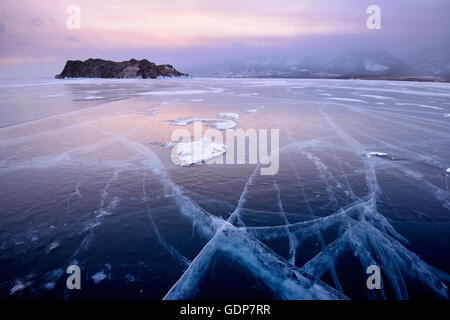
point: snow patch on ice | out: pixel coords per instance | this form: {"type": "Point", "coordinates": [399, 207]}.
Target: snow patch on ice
{"type": "Point", "coordinates": [181, 92]}
{"type": "Point", "coordinates": [53, 95]}
{"type": "Point", "coordinates": [198, 151]}
{"type": "Point", "coordinates": [252, 110]}
{"type": "Point", "coordinates": [378, 154]}
{"type": "Point", "coordinates": [419, 105]}
{"type": "Point", "coordinates": [149, 111]}
{"type": "Point", "coordinates": [93, 97]}
{"type": "Point", "coordinates": [224, 125]}
{"type": "Point", "coordinates": [229, 115]}
{"type": "Point", "coordinates": [249, 94]}
{"type": "Point", "coordinates": [53, 245]}
{"type": "Point", "coordinates": [348, 100]}
{"type": "Point", "coordinates": [376, 97]}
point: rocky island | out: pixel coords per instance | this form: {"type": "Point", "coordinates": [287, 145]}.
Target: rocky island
{"type": "Point", "coordinates": [98, 68]}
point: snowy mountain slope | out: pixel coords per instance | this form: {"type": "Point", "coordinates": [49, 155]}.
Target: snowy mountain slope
{"type": "Point", "coordinates": [371, 64]}
{"type": "Point", "coordinates": [366, 63]}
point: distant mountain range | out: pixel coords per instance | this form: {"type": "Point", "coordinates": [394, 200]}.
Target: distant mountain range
{"type": "Point", "coordinates": [424, 65]}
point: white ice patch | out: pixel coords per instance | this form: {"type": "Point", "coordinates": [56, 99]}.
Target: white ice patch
{"type": "Point", "coordinates": [376, 97]}
{"type": "Point", "coordinates": [19, 286]}
{"type": "Point", "coordinates": [249, 94]}
{"type": "Point", "coordinates": [49, 285]}
{"type": "Point", "coordinates": [170, 145]}
{"type": "Point", "coordinates": [229, 115]}
{"type": "Point", "coordinates": [378, 154]}
{"type": "Point", "coordinates": [270, 83]}
{"type": "Point", "coordinates": [348, 100]}
{"type": "Point", "coordinates": [419, 105]}
{"type": "Point", "coordinates": [99, 276]}
{"type": "Point", "coordinates": [150, 111]}
{"type": "Point", "coordinates": [198, 151]}
{"type": "Point", "coordinates": [447, 115]}
{"type": "Point", "coordinates": [218, 123]}
{"type": "Point", "coordinates": [197, 100]}
{"type": "Point", "coordinates": [448, 170]}
{"type": "Point", "coordinates": [53, 245]}
{"type": "Point", "coordinates": [224, 125]}
{"type": "Point", "coordinates": [53, 95]}
{"type": "Point", "coordinates": [93, 97]}
{"type": "Point", "coordinates": [181, 92]}
{"type": "Point", "coordinates": [252, 110]}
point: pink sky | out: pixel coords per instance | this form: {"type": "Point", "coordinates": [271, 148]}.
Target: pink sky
{"type": "Point", "coordinates": [33, 34]}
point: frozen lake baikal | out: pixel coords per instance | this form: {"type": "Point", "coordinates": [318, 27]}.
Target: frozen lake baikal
{"type": "Point", "coordinates": [86, 178]}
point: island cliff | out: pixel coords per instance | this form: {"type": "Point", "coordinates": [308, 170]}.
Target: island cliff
{"type": "Point", "coordinates": [98, 68]}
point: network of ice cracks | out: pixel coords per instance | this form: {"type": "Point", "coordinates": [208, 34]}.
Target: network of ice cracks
{"type": "Point", "coordinates": [362, 229]}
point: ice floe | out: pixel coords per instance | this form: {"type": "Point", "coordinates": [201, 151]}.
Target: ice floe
{"type": "Point", "coordinates": [378, 154]}
{"type": "Point", "coordinates": [198, 151]}
{"type": "Point", "coordinates": [229, 115]}
{"type": "Point", "coordinates": [251, 110]}
{"type": "Point", "coordinates": [53, 95]}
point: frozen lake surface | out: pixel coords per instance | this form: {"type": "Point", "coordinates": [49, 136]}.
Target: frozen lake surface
{"type": "Point", "coordinates": [86, 178]}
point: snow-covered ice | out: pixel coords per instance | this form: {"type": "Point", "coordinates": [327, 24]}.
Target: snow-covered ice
{"type": "Point", "coordinates": [229, 115]}
{"type": "Point", "coordinates": [93, 97]}
{"type": "Point", "coordinates": [418, 105]}
{"type": "Point", "coordinates": [198, 151]}
{"type": "Point", "coordinates": [53, 95]}
{"type": "Point", "coordinates": [348, 100]}
{"type": "Point", "coordinates": [378, 154]}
